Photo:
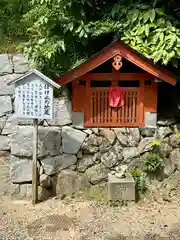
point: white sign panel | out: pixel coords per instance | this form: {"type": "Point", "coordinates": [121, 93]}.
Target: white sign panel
{"type": "Point", "coordinates": [34, 99]}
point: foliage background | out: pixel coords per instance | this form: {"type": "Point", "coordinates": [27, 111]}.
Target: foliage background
{"type": "Point", "coordinates": [59, 34]}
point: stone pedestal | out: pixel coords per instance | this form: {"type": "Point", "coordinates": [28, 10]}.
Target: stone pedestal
{"type": "Point", "coordinates": [121, 189]}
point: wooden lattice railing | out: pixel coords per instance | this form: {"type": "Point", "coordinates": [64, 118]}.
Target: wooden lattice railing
{"type": "Point", "coordinates": [101, 114]}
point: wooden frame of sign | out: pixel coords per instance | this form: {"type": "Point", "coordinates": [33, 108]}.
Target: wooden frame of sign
{"type": "Point", "coordinates": [34, 100]}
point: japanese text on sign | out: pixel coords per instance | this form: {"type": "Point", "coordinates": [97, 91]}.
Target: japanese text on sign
{"type": "Point", "coordinates": [34, 100]}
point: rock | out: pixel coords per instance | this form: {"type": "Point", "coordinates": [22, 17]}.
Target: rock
{"type": "Point", "coordinates": [118, 149]}
{"type": "Point", "coordinates": [49, 165]}
{"type": "Point", "coordinates": [111, 158]}
{"type": "Point", "coordinates": [120, 175]}
{"type": "Point", "coordinates": [163, 132]}
{"type": "Point", "coordinates": [105, 146]}
{"type": "Point", "coordinates": [24, 121]}
{"type": "Point", "coordinates": [4, 154]}
{"type": "Point", "coordinates": [5, 65]}
{"type": "Point", "coordinates": [169, 168]}
{"type": "Point", "coordinates": [94, 140]}
{"type": "Point", "coordinates": [5, 105]}
{"type": "Point", "coordinates": [177, 128]}
{"type": "Point", "coordinates": [165, 140]}
{"type": "Point", "coordinates": [174, 140]}
{"type": "Point", "coordinates": [40, 170]}
{"type": "Point", "coordinates": [97, 157]}
{"type": "Point", "coordinates": [2, 122]}
{"type": "Point", "coordinates": [128, 137]}
{"type": "Point", "coordinates": [49, 141]}
{"type": "Point", "coordinates": [64, 91]}
{"type": "Point", "coordinates": [72, 167]}
{"type": "Point", "coordinates": [135, 163]}
{"type": "Point", "coordinates": [10, 125]}
{"type": "Point", "coordinates": [6, 89]}
{"type": "Point", "coordinates": [21, 191]}
{"type": "Point", "coordinates": [86, 148]}
{"type": "Point", "coordinates": [129, 153]}
{"type": "Point", "coordinates": [79, 154]}
{"type": "Point", "coordinates": [147, 132]}
{"type": "Point", "coordinates": [97, 173]}
{"type": "Point", "coordinates": [72, 139]}
{"type": "Point", "coordinates": [5, 143]}
{"type": "Point", "coordinates": [69, 183]}
{"type": "Point", "coordinates": [21, 65]}
{"type": "Point", "coordinates": [44, 193]}
{"type": "Point", "coordinates": [121, 171]}
{"type": "Point", "coordinates": [175, 158]}
{"type": "Point", "coordinates": [145, 145]}
{"type": "Point", "coordinates": [108, 134]}
{"type": "Point", "coordinates": [20, 169]}
{"type": "Point", "coordinates": [172, 182]}
{"type": "Point", "coordinates": [62, 112]}
{"type": "Point", "coordinates": [165, 149]}
{"type": "Point", "coordinates": [92, 144]}
{"type": "Point", "coordinates": [85, 162]}
{"type": "Point", "coordinates": [166, 122]}
{"type": "Point", "coordinates": [117, 168]}
{"type": "Point", "coordinates": [79, 126]}
{"type": "Point", "coordinates": [45, 181]}
{"type": "Point", "coordinates": [24, 192]}
{"type": "Point", "coordinates": [22, 141]}
{"type": "Point", "coordinates": [55, 164]}
{"type": "Point", "coordinates": [88, 131]}
{"type": "Point", "coordinates": [95, 130]}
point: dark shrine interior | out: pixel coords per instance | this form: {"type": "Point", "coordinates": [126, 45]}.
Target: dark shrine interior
{"type": "Point", "coordinates": [168, 100]}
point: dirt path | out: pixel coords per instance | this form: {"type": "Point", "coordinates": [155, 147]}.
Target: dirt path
{"type": "Point", "coordinates": [86, 220]}
{"type": "Point", "coordinates": [83, 220]}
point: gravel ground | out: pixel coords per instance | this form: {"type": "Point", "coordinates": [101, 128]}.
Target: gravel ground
{"type": "Point", "coordinates": [84, 220]}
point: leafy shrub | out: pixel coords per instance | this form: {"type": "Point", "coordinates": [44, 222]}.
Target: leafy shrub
{"type": "Point", "coordinates": [178, 134]}
{"type": "Point", "coordinates": [140, 182]}
{"type": "Point", "coordinates": [155, 143]}
{"type": "Point", "coordinates": [153, 163]}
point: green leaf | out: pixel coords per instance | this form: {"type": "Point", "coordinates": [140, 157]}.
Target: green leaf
{"type": "Point", "coordinates": [71, 26]}
{"type": "Point", "coordinates": [78, 29]}
{"type": "Point", "coordinates": [135, 15]}
{"type": "Point", "coordinates": [114, 11]}
{"type": "Point", "coordinates": [160, 11]}
{"type": "Point", "coordinates": [174, 62]}
{"type": "Point", "coordinates": [41, 41]}
{"type": "Point", "coordinates": [169, 25]}
{"type": "Point", "coordinates": [161, 36]}
{"type": "Point", "coordinates": [152, 15]}
{"type": "Point", "coordinates": [155, 38]}
{"type": "Point", "coordinates": [81, 33]}
{"type": "Point", "coordinates": [49, 54]}
{"type": "Point", "coordinates": [62, 45]}
{"type": "Point", "coordinates": [140, 30]}
{"type": "Point", "coordinates": [147, 30]}
{"type": "Point", "coordinates": [139, 39]}
{"type": "Point", "coordinates": [157, 56]}
{"type": "Point", "coordinates": [160, 21]}
{"type": "Point", "coordinates": [146, 16]}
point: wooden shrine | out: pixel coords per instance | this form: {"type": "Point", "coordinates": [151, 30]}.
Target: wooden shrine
{"type": "Point", "coordinates": [116, 65]}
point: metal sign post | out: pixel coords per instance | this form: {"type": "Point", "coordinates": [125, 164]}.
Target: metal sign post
{"type": "Point", "coordinates": [34, 100]}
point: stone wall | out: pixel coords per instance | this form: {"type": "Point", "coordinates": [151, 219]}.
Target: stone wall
{"type": "Point", "coordinates": [71, 159]}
